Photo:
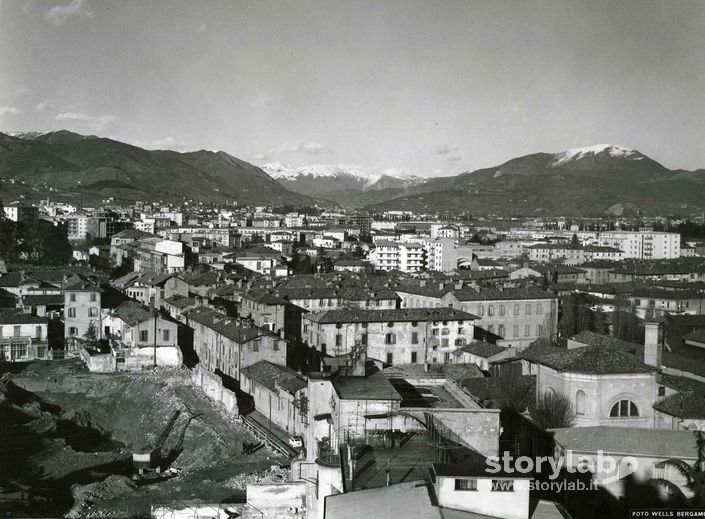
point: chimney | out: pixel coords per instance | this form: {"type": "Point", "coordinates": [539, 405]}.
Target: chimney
{"type": "Point", "coordinates": [652, 345]}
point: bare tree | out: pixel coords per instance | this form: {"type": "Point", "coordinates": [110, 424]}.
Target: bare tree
{"type": "Point", "coordinates": [553, 411]}
{"type": "Point", "coordinates": [514, 393]}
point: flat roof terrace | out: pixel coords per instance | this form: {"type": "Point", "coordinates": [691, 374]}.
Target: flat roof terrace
{"type": "Point", "coordinates": [424, 396]}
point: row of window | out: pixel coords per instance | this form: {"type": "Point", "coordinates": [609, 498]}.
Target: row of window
{"type": "Point", "coordinates": [92, 312]}
{"type": "Point", "coordinates": [501, 330]}
{"type": "Point", "coordinates": [621, 409]}
{"type": "Point", "coordinates": [501, 309]}
{"type": "Point", "coordinates": [72, 297]}
{"type": "Point", "coordinates": [144, 335]}
{"type": "Point", "coordinates": [415, 357]}
{"type": "Point", "coordinates": [391, 324]}
{"type": "Point", "coordinates": [17, 331]}
{"type": "Point", "coordinates": [445, 331]}
{"type": "Point", "coordinates": [391, 338]}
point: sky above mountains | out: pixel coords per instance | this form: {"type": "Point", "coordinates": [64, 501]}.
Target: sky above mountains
{"type": "Point", "coordinates": [428, 88]}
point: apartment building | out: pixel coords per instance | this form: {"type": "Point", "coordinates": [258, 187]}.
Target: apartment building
{"type": "Point", "coordinates": [23, 337]}
{"type": "Point", "coordinates": [82, 311]}
{"type": "Point", "coordinates": [226, 345]}
{"type": "Point", "coordinates": [406, 336]}
{"type": "Point", "coordinates": [643, 244]}
{"type": "Point", "coordinates": [652, 303]}
{"type": "Point", "coordinates": [518, 316]}
{"type": "Point", "coordinates": [405, 257]}
{"type": "Point", "coordinates": [26, 214]}
{"type": "Point", "coordinates": [573, 254]}
{"type": "Point", "coordinates": [140, 337]}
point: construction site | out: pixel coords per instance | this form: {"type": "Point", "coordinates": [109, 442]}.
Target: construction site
{"type": "Point", "coordinates": [81, 444]}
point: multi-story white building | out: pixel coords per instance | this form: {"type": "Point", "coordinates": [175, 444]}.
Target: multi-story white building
{"type": "Point", "coordinates": [573, 254]}
{"type": "Point", "coordinates": [405, 257]}
{"type": "Point", "coordinates": [82, 310]}
{"type": "Point", "coordinates": [294, 220]}
{"type": "Point", "coordinates": [441, 254]}
{"type": "Point", "coordinates": [385, 255]}
{"type": "Point", "coordinates": [27, 214]}
{"type": "Point", "coordinates": [643, 244]}
{"type": "Point", "coordinates": [412, 257]}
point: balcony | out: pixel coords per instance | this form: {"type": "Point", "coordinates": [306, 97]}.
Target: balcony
{"type": "Point", "coordinates": [326, 454]}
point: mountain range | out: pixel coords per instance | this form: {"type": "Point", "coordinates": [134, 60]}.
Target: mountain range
{"type": "Point", "coordinates": [90, 168]}
{"type": "Point", "coordinates": [598, 180]}
{"type": "Point", "coordinates": [349, 186]}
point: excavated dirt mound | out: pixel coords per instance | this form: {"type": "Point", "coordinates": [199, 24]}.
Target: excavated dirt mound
{"type": "Point", "coordinates": [75, 432]}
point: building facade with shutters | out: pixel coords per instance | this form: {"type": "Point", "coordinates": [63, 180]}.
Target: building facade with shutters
{"type": "Point", "coordinates": [406, 336]}
{"type": "Point", "coordinates": [23, 337]}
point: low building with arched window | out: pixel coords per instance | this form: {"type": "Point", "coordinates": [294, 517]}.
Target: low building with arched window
{"type": "Point", "coordinates": [606, 386]}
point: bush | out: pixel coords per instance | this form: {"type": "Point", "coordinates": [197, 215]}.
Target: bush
{"type": "Point", "coordinates": [553, 411]}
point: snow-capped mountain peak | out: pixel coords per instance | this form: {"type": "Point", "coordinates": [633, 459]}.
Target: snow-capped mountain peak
{"type": "Point", "coordinates": [608, 151]}
{"type": "Point", "coordinates": [365, 176]}
{"type": "Point", "coordinates": [29, 135]}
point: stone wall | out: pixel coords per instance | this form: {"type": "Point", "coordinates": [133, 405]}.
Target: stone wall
{"type": "Point", "coordinates": [212, 386]}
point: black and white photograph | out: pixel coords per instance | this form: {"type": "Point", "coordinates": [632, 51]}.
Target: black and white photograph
{"type": "Point", "coordinates": [352, 259]}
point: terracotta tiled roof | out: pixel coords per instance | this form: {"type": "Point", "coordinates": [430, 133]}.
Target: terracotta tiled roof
{"type": "Point", "coordinates": [597, 339]}
{"type": "Point", "coordinates": [494, 294]}
{"type": "Point", "coordinates": [270, 375]}
{"type": "Point", "coordinates": [660, 443]}
{"type": "Point", "coordinates": [482, 349]}
{"type": "Point", "coordinates": [594, 360]}
{"type": "Point", "coordinates": [180, 301]}
{"type": "Point", "coordinates": [688, 404]}
{"type": "Point", "coordinates": [13, 317]}
{"type": "Point", "coordinates": [133, 313]}
{"type": "Point", "coordinates": [225, 325]}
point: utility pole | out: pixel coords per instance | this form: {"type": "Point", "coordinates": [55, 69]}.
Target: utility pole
{"type": "Point", "coordinates": [155, 314]}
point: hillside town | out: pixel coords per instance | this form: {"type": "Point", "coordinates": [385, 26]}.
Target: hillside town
{"type": "Point", "coordinates": [380, 359]}
{"type": "Point", "coordinates": [358, 259]}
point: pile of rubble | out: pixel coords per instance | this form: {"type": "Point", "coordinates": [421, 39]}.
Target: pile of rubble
{"type": "Point", "coordinates": [85, 496]}
{"type": "Point", "coordinates": [275, 474]}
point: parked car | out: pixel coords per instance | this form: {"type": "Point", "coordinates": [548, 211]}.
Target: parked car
{"type": "Point", "coordinates": [296, 442]}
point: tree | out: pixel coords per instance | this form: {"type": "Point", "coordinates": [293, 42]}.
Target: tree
{"type": "Point", "coordinates": [626, 325]}
{"type": "Point", "coordinates": [53, 245]}
{"type": "Point", "coordinates": [574, 240]}
{"type": "Point", "coordinates": [553, 411]}
{"type": "Point", "coordinates": [694, 476]}
{"type": "Point", "coordinates": [515, 393]}
{"type": "Point", "coordinates": [301, 264]}
{"type": "Point", "coordinates": [567, 325]}
{"type": "Point", "coordinates": [8, 239]}
{"type": "Point", "coordinates": [91, 336]}
{"type": "Point", "coordinates": [358, 252]}
{"type": "Point", "coordinates": [578, 316]}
